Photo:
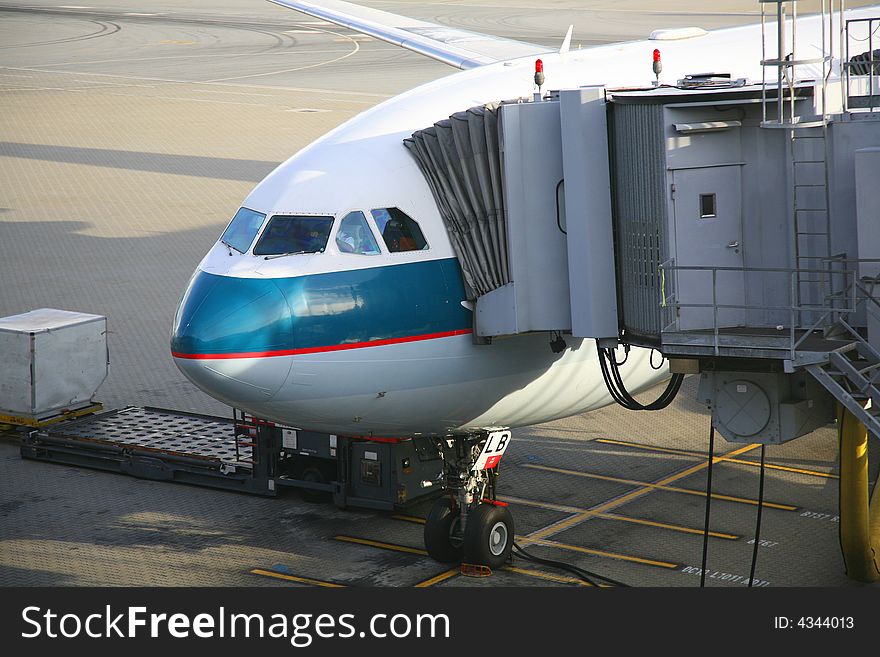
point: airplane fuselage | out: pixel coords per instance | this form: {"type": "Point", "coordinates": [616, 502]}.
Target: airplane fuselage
{"type": "Point", "coordinates": [382, 343]}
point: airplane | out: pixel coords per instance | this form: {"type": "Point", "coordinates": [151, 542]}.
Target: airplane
{"type": "Point", "coordinates": [334, 302]}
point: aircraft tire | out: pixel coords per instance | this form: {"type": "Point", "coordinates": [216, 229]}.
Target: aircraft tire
{"type": "Point", "coordinates": [438, 530]}
{"type": "Point", "coordinates": [488, 537]}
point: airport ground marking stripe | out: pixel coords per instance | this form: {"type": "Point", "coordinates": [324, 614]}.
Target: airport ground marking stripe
{"type": "Point", "coordinates": [617, 516]}
{"type": "Point", "coordinates": [548, 576]}
{"type": "Point", "coordinates": [413, 519]}
{"type": "Point", "coordinates": [615, 502]}
{"type": "Point", "coordinates": [602, 553]}
{"type": "Point", "coordinates": [442, 577]}
{"type": "Point", "coordinates": [380, 544]}
{"type": "Point", "coordinates": [664, 525]}
{"type": "Point", "coordinates": [657, 486]}
{"type": "Point", "coordinates": [294, 578]}
{"type": "Point", "coordinates": [667, 450]}
{"type": "Point", "coordinates": [785, 468]}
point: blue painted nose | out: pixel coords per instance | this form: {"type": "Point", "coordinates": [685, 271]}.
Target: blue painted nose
{"type": "Point", "coordinates": [230, 335]}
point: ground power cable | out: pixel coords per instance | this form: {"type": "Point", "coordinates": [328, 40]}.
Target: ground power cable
{"type": "Point", "coordinates": [708, 504]}
{"type": "Point", "coordinates": [758, 522]}
{"type": "Point", "coordinates": [585, 575]}
{"type": "Point", "coordinates": [616, 387]}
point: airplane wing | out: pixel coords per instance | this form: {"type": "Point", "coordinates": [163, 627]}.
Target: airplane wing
{"type": "Point", "coordinates": [458, 48]}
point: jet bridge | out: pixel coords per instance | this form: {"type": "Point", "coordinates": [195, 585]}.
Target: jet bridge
{"type": "Point", "coordinates": [731, 226]}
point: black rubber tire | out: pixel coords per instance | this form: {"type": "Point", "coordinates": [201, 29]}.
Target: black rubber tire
{"type": "Point", "coordinates": [438, 528]}
{"type": "Point", "coordinates": [314, 475]}
{"type": "Point", "coordinates": [488, 537]}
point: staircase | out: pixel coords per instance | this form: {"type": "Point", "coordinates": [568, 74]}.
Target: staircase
{"type": "Point", "coordinates": [852, 377]}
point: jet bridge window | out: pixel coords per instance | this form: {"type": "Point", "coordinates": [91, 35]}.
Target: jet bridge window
{"type": "Point", "coordinates": [291, 234]}
{"type": "Point", "coordinates": [354, 235]}
{"type": "Point", "coordinates": [707, 206]}
{"type": "Point", "coordinates": [400, 232]}
{"type": "Point", "coordinates": [243, 229]}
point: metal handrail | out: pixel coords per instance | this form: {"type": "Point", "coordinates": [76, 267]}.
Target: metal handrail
{"type": "Point", "coordinates": [837, 304]}
{"type": "Point", "coordinates": [871, 62]}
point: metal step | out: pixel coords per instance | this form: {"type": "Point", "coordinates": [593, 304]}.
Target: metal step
{"type": "Point", "coordinates": [871, 422]}
{"type": "Point", "coordinates": [863, 385]}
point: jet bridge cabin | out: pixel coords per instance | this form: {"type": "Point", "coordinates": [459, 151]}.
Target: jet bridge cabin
{"type": "Point", "coordinates": [681, 219]}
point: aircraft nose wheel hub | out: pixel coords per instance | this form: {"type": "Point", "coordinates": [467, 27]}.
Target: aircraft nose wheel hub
{"type": "Point", "coordinates": [498, 539]}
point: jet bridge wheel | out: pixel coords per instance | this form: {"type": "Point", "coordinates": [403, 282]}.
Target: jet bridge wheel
{"type": "Point", "coordinates": [441, 527]}
{"type": "Point", "coordinates": [488, 535]}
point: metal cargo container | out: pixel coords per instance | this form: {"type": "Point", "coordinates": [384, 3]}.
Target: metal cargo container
{"type": "Point", "coordinates": [52, 361]}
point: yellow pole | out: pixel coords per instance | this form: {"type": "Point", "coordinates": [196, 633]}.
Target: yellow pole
{"type": "Point", "coordinates": [859, 510]}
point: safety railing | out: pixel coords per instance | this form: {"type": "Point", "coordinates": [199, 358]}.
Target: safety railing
{"type": "Point", "coordinates": [836, 285]}
{"type": "Point", "coordinates": [862, 69]}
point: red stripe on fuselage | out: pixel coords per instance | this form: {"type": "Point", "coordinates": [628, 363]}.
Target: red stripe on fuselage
{"type": "Point", "coordinates": [319, 350]}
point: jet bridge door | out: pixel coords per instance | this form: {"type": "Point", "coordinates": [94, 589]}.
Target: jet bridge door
{"type": "Point", "coordinates": [707, 206]}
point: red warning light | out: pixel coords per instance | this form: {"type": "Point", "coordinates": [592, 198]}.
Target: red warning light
{"type": "Point", "coordinates": [539, 66]}
{"type": "Point", "coordinates": [656, 55]}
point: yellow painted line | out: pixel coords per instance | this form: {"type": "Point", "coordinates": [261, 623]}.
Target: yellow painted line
{"type": "Point", "coordinates": [379, 544]}
{"type": "Point", "coordinates": [656, 486]}
{"type": "Point", "coordinates": [405, 518]}
{"type": "Point", "coordinates": [785, 468]}
{"type": "Point", "coordinates": [602, 553]}
{"type": "Point", "coordinates": [442, 577]}
{"type": "Point", "coordinates": [666, 450]}
{"type": "Point", "coordinates": [617, 516]}
{"type": "Point", "coordinates": [623, 499]}
{"type": "Point", "coordinates": [552, 578]}
{"type": "Point", "coordinates": [665, 525]}
{"type": "Point", "coordinates": [650, 448]}
{"type": "Point", "coordinates": [294, 578]}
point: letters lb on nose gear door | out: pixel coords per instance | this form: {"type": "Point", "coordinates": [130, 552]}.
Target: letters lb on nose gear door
{"type": "Point", "coordinates": [493, 450]}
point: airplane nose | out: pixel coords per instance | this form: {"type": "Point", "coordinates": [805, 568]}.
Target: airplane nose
{"type": "Point", "coordinates": [230, 335]}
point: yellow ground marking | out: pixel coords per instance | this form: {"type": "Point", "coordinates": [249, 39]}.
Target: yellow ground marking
{"type": "Point", "coordinates": [645, 486]}
{"type": "Point", "coordinates": [405, 518]}
{"type": "Point", "coordinates": [442, 577]}
{"type": "Point", "coordinates": [616, 516]}
{"type": "Point", "coordinates": [380, 544]}
{"type": "Point", "coordinates": [548, 576]}
{"type": "Point", "coordinates": [603, 553]}
{"type": "Point", "coordinates": [644, 489]}
{"type": "Point", "coordinates": [294, 578]}
{"type": "Point", "coordinates": [666, 450]}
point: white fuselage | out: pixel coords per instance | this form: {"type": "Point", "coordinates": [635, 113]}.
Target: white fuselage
{"type": "Point", "coordinates": [436, 381]}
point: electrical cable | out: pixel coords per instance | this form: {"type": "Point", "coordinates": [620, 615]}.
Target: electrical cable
{"type": "Point", "coordinates": [585, 575]}
{"type": "Point", "coordinates": [651, 360]}
{"type": "Point", "coordinates": [758, 524]}
{"type": "Point", "coordinates": [708, 504]}
{"type": "Point", "coordinates": [616, 387]}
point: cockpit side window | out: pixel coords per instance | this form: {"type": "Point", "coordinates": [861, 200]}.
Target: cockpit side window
{"type": "Point", "coordinates": [354, 235]}
{"type": "Point", "coordinates": [400, 231]}
{"type": "Point", "coordinates": [242, 229]}
{"type": "Point", "coordinates": [291, 234]}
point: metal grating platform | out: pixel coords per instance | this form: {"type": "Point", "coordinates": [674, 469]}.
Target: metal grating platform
{"type": "Point", "coordinates": [153, 429]}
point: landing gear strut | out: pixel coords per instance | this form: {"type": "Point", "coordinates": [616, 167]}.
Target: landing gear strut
{"type": "Point", "coordinates": [470, 524]}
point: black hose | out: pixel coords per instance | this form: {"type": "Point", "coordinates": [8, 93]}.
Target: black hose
{"type": "Point", "coordinates": [616, 387]}
{"type": "Point", "coordinates": [758, 524]}
{"type": "Point", "coordinates": [585, 575]}
{"type": "Point", "coordinates": [708, 504]}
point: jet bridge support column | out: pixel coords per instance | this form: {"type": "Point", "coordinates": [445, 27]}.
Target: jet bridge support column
{"type": "Point", "coordinates": [859, 509]}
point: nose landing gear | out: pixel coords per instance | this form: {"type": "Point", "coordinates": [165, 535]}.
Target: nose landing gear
{"type": "Point", "coordinates": [471, 525]}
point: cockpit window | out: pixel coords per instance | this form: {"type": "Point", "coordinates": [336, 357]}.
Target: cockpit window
{"type": "Point", "coordinates": [400, 232]}
{"type": "Point", "coordinates": [242, 229]}
{"type": "Point", "coordinates": [354, 235]}
{"type": "Point", "coordinates": [289, 234]}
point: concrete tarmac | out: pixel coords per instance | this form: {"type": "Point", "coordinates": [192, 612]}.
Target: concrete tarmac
{"type": "Point", "coordinates": [129, 134]}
